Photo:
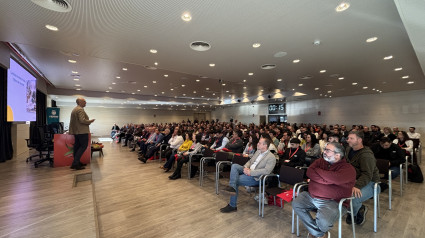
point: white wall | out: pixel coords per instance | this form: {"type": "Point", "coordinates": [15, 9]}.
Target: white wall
{"type": "Point", "coordinates": [245, 113]}
{"type": "Point", "coordinates": [106, 117]}
{"type": "Point", "coordinates": [401, 109]}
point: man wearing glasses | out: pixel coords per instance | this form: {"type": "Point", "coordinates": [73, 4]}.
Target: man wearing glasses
{"type": "Point", "coordinates": [331, 179]}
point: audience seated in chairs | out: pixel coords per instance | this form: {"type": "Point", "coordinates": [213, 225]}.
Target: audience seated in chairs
{"type": "Point", "coordinates": [185, 146]}
{"type": "Point", "coordinates": [391, 152]}
{"type": "Point", "coordinates": [175, 142]}
{"type": "Point", "coordinates": [331, 179]}
{"type": "Point", "coordinates": [261, 163]}
{"type": "Point", "coordinates": [293, 157]}
{"type": "Point", "coordinates": [162, 140]}
{"type": "Point", "coordinates": [114, 130]}
{"type": "Point", "coordinates": [311, 148]}
{"type": "Point", "coordinates": [404, 142]}
{"type": "Point", "coordinates": [251, 147]}
{"type": "Point", "coordinates": [235, 145]}
{"type": "Point", "coordinates": [184, 158]}
{"type": "Point", "coordinates": [220, 141]}
{"type": "Point", "coordinates": [367, 174]}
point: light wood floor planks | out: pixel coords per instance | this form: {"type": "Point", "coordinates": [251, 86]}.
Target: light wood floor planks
{"type": "Point", "coordinates": [137, 200]}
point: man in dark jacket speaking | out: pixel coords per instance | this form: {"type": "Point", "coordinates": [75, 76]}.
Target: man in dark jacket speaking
{"type": "Point", "coordinates": [331, 179]}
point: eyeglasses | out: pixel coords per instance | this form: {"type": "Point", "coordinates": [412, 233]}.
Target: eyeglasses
{"type": "Point", "coordinates": [329, 150]}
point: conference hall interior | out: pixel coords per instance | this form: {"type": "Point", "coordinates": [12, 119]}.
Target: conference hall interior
{"type": "Point", "coordinates": [260, 68]}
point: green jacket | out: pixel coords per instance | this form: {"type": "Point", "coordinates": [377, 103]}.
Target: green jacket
{"type": "Point", "coordinates": [365, 164]}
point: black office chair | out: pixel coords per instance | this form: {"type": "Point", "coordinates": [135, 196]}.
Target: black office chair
{"type": "Point", "coordinates": [41, 140]}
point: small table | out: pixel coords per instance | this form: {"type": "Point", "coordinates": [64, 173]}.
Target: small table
{"type": "Point", "coordinates": [95, 150]}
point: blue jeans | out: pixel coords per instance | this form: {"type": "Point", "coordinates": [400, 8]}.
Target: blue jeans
{"type": "Point", "coordinates": [238, 178]}
{"type": "Point", "coordinates": [327, 213]}
{"type": "Point", "coordinates": [395, 171]}
{"type": "Point", "coordinates": [367, 193]}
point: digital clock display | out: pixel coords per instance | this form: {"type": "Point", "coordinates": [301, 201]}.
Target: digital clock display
{"type": "Point", "coordinates": [276, 108]}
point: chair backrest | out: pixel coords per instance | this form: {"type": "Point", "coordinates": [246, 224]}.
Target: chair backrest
{"type": "Point", "coordinates": [415, 143]}
{"type": "Point", "coordinates": [208, 152]}
{"type": "Point", "coordinates": [223, 156]}
{"type": "Point", "coordinates": [240, 160]}
{"type": "Point", "coordinates": [291, 175]}
{"type": "Point", "coordinates": [383, 166]}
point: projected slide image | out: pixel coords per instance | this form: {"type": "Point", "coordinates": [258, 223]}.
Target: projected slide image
{"type": "Point", "coordinates": [21, 94]}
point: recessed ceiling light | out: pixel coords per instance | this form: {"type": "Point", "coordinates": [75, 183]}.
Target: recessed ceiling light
{"type": "Point", "coordinates": [322, 71]}
{"type": "Point", "coordinates": [183, 85]}
{"type": "Point", "coordinates": [329, 91]}
{"type": "Point", "coordinates": [388, 57]}
{"type": "Point", "coordinates": [107, 91]}
{"type": "Point", "coordinates": [145, 86]}
{"type": "Point", "coordinates": [114, 83]}
{"type": "Point", "coordinates": [186, 17]}
{"type": "Point", "coordinates": [398, 69]}
{"type": "Point", "coordinates": [342, 7]}
{"type": "Point", "coordinates": [244, 87]}
{"type": "Point", "coordinates": [138, 90]}
{"type": "Point", "coordinates": [74, 72]}
{"type": "Point", "coordinates": [410, 82]}
{"type": "Point", "coordinates": [118, 77]}
{"type": "Point", "coordinates": [212, 65]}
{"type": "Point", "coordinates": [52, 28]}
{"type": "Point", "coordinates": [372, 39]}
{"type": "Point", "coordinates": [280, 54]}
{"type": "Point", "coordinates": [296, 61]}
{"type": "Point", "coordinates": [227, 91]}
{"type": "Point", "coordinates": [244, 80]}
{"type": "Point", "coordinates": [405, 77]}
{"type": "Point", "coordinates": [213, 94]}
{"type": "Point", "coordinates": [279, 80]}
{"type": "Point", "coordinates": [300, 84]}
{"type": "Point", "coordinates": [184, 94]}
{"type": "Point", "coordinates": [223, 84]}
{"type": "Point", "coordinates": [364, 87]}
{"type": "Point", "coordinates": [354, 83]}
{"type": "Point", "coordinates": [293, 89]}
{"type": "Point", "coordinates": [72, 61]}
{"type": "Point", "coordinates": [202, 96]}
{"type": "Point", "coordinates": [316, 89]}
{"type": "Point", "coordinates": [172, 89]}
{"type": "Point", "coordinates": [133, 93]}
{"type": "Point", "coordinates": [166, 75]}
{"type": "Point", "coordinates": [256, 45]}
{"type": "Point", "coordinates": [77, 85]}
{"type": "Point", "coordinates": [198, 80]}
{"type": "Point", "coordinates": [125, 69]}
{"type": "Point", "coordinates": [156, 63]}
{"type": "Point", "coordinates": [207, 89]}
{"type": "Point", "coordinates": [153, 81]}
{"type": "Point", "coordinates": [340, 78]}
{"type": "Point", "coordinates": [156, 95]}
{"type": "Point", "coordinates": [250, 74]}
{"type": "Point", "coordinates": [153, 51]}
{"type": "Point", "coordinates": [194, 91]}
{"type": "Point", "coordinates": [76, 79]}
{"type": "Point", "coordinates": [78, 89]}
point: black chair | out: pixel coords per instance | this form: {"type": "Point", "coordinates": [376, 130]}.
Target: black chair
{"type": "Point", "coordinates": [288, 175]}
{"type": "Point", "coordinates": [41, 140]}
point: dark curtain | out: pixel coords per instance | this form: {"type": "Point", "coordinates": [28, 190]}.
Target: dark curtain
{"type": "Point", "coordinates": [6, 148]}
{"type": "Point", "coordinates": [41, 108]}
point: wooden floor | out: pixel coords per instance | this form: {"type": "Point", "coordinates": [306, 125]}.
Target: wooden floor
{"type": "Point", "coordinates": [138, 200]}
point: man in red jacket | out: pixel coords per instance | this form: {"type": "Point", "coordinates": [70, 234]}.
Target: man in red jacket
{"type": "Point", "coordinates": [331, 179]}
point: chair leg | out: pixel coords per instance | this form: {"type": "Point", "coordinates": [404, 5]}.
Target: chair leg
{"type": "Point", "coordinates": [401, 180]}
{"type": "Point", "coordinates": [390, 188]}
{"type": "Point", "coordinates": [375, 208]}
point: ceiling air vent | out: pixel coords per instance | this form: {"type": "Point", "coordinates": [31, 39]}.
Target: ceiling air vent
{"type": "Point", "coordinates": [54, 5]}
{"type": "Point", "coordinates": [306, 77]}
{"type": "Point", "coordinates": [150, 67]}
{"type": "Point", "coordinates": [268, 66]}
{"type": "Point", "coordinates": [200, 46]}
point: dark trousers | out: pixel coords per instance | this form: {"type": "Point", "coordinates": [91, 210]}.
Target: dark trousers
{"type": "Point", "coordinates": [151, 151]}
{"type": "Point", "coordinates": [80, 145]}
{"type": "Point", "coordinates": [182, 160]}
{"type": "Point", "coordinates": [170, 161]}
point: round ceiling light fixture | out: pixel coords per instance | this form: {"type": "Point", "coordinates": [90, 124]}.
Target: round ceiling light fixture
{"type": "Point", "coordinates": [268, 66]}
{"type": "Point", "coordinates": [280, 54]}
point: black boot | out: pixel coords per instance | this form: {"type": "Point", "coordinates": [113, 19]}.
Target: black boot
{"type": "Point", "coordinates": [193, 171]}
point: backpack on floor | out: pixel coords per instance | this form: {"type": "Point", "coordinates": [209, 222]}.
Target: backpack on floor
{"type": "Point", "coordinates": [414, 174]}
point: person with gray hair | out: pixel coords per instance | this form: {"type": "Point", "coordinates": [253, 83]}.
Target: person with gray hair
{"type": "Point", "coordinates": [331, 179]}
{"type": "Point", "coordinates": [79, 127]}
